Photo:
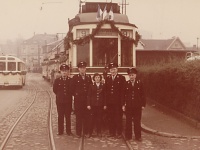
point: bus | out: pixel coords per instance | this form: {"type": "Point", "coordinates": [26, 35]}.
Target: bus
{"type": "Point", "coordinates": [12, 71]}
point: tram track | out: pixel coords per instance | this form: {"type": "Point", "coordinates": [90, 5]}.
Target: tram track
{"type": "Point", "coordinates": [10, 138]}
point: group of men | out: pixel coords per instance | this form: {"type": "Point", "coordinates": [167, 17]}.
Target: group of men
{"type": "Point", "coordinates": [115, 96]}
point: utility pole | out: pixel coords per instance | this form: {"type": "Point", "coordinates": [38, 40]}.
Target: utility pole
{"type": "Point", "coordinates": [197, 43]}
{"type": "Point", "coordinates": [123, 4]}
{"type": "Point", "coordinates": [80, 2]}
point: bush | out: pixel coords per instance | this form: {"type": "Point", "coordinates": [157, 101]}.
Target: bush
{"type": "Point", "coordinates": [175, 85]}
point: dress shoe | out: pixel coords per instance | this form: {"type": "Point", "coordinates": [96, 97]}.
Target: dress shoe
{"type": "Point", "coordinates": [88, 135]}
{"type": "Point", "coordinates": [99, 135]}
{"type": "Point", "coordinates": [59, 133]}
{"type": "Point", "coordinates": [111, 136]}
{"type": "Point", "coordinates": [69, 134]}
{"type": "Point", "coordinates": [128, 138]}
{"type": "Point", "coordinates": [78, 136]}
{"type": "Point", "coordinates": [138, 139]}
{"type": "Point", "coordinates": [119, 136]}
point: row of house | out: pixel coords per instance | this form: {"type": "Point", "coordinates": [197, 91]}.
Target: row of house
{"type": "Point", "coordinates": [41, 46]}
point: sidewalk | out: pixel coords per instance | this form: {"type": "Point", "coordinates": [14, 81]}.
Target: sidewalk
{"type": "Point", "coordinates": [167, 123]}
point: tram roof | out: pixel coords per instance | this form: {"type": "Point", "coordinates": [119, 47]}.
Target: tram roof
{"type": "Point", "coordinates": [87, 18]}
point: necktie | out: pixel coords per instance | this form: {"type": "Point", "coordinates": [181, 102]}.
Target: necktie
{"type": "Point", "coordinates": [113, 77]}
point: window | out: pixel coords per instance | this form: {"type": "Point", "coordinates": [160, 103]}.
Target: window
{"type": "Point", "coordinates": [105, 51]}
{"type": "Point", "coordinates": [2, 66]}
{"type": "Point", "coordinates": [19, 66]}
{"type": "Point", "coordinates": [83, 53]}
{"type": "Point", "coordinates": [11, 66]}
{"type": "Point", "coordinates": [126, 53]}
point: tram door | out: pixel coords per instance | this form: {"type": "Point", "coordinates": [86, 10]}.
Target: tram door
{"type": "Point", "coordinates": [105, 51]}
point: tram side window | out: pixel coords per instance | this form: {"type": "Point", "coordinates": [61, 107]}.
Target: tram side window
{"type": "Point", "coordinates": [2, 66]}
{"type": "Point", "coordinates": [11, 66]}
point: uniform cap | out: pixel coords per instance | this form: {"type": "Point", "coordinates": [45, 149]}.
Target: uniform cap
{"type": "Point", "coordinates": [82, 64]}
{"type": "Point", "coordinates": [112, 65]}
{"type": "Point", "coordinates": [132, 70]}
{"type": "Point", "coordinates": [64, 67]}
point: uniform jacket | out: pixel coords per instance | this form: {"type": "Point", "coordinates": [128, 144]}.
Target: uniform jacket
{"type": "Point", "coordinates": [96, 96]}
{"type": "Point", "coordinates": [62, 90]}
{"type": "Point", "coordinates": [79, 86]}
{"type": "Point", "coordinates": [134, 95]}
{"type": "Point", "coordinates": [114, 89]}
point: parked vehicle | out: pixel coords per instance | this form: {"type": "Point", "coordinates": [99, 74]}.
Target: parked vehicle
{"type": "Point", "coordinates": [12, 71]}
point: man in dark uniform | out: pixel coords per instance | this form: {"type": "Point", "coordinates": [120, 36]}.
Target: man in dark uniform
{"type": "Point", "coordinates": [80, 86]}
{"type": "Point", "coordinates": [134, 102]}
{"type": "Point", "coordinates": [114, 86]}
{"type": "Point", "coordinates": [61, 88]}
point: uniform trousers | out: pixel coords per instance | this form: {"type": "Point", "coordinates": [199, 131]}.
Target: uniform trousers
{"type": "Point", "coordinates": [96, 113]}
{"type": "Point", "coordinates": [64, 111]}
{"type": "Point", "coordinates": [115, 119]}
{"type": "Point", "coordinates": [82, 116]}
{"type": "Point", "coordinates": [133, 115]}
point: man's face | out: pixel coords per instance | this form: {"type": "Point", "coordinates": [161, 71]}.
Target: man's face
{"type": "Point", "coordinates": [82, 70]}
{"type": "Point", "coordinates": [132, 76]}
{"type": "Point", "coordinates": [64, 72]}
{"type": "Point", "coordinates": [113, 71]}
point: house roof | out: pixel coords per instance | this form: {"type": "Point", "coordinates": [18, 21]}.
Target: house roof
{"type": "Point", "coordinates": [41, 39]}
{"type": "Point", "coordinates": [162, 44]}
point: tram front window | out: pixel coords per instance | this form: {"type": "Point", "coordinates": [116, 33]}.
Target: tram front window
{"type": "Point", "coordinates": [104, 51]}
{"type": "Point", "coordinates": [126, 53]}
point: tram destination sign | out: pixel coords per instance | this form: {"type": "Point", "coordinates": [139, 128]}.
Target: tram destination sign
{"type": "Point", "coordinates": [106, 32]}
{"type": "Point", "coordinates": [80, 33]}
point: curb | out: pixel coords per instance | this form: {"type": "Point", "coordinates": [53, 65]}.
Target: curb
{"type": "Point", "coordinates": [165, 134]}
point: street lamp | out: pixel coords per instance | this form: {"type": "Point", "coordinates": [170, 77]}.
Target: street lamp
{"type": "Point", "coordinates": [197, 43]}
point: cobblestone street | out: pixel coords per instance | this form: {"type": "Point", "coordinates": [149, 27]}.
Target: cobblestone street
{"type": "Point", "coordinates": [162, 131]}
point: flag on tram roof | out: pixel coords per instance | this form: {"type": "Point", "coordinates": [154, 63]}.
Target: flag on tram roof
{"type": "Point", "coordinates": [99, 13]}
{"type": "Point", "coordinates": [111, 15]}
{"type": "Point", "coordinates": [105, 14]}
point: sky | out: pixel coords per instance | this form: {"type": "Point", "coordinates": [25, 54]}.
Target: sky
{"type": "Point", "coordinates": [155, 19]}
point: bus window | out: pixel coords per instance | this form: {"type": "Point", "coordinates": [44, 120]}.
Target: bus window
{"type": "Point", "coordinates": [2, 66]}
{"type": "Point", "coordinates": [19, 66]}
{"type": "Point", "coordinates": [11, 66]}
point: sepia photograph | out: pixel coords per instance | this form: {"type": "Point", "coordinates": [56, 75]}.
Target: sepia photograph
{"type": "Point", "coordinates": [99, 75]}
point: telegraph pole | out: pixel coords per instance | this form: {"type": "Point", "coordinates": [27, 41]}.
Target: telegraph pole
{"type": "Point", "coordinates": [123, 4]}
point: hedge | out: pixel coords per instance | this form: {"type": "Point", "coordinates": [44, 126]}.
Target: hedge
{"type": "Point", "coordinates": [175, 85]}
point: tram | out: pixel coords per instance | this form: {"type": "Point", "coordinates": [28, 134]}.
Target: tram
{"type": "Point", "coordinates": [12, 71]}
{"type": "Point", "coordinates": [100, 34]}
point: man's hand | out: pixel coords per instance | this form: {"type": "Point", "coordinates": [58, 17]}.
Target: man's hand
{"type": "Point", "coordinates": [123, 108]}
{"type": "Point", "coordinates": [88, 107]}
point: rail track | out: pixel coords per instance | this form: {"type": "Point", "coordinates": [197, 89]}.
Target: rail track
{"type": "Point", "coordinates": [17, 137]}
